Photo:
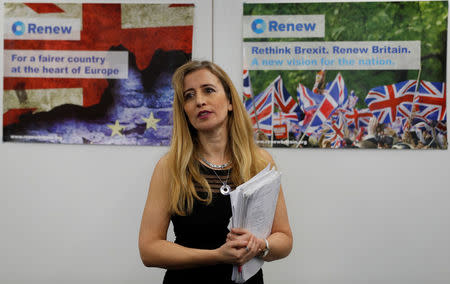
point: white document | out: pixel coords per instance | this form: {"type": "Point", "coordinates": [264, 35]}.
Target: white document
{"type": "Point", "coordinates": [253, 205]}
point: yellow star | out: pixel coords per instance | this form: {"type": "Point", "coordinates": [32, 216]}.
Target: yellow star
{"type": "Point", "coordinates": [151, 121]}
{"type": "Point", "coordinates": [116, 128]}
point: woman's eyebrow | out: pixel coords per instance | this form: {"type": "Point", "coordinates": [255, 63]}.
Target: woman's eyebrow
{"type": "Point", "coordinates": [187, 90]}
{"type": "Point", "coordinates": [208, 85]}
{"type": "Point", "coordinates": [201, 86]}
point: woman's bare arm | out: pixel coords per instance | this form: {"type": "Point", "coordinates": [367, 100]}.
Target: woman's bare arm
{"type": "Point", "coordinates": [280, 239]}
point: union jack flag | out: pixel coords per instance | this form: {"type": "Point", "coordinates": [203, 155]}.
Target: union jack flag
{"type": "Point", "coordinates": [263, 105]}
{"type": "Point", "coordinates": [288, 119]}
{"type": "Point", "coordinates": [326, 108]}
{"type": "Point", "coordinates": [305, 124]}
{"type": "Point", "coordinates": [247, 86]}
{"type": "Point", "coordinates": [307, 98]}
{"type": "Point", "coordinates": [388, 102]}
{"type": "Point", "coordinates": [335, 96]}
{"type": "Point", "coordinates": [338, 90]}
{"type": "Point", "coordinates": [430, 102]}
{"type": "Point", "coordinates": [283, 100]}
{"type": "Point", "coordinates": [335, 132]}
{"type": "Point", "coordinates": [285, 118]}
{"type": "Point", "coordinates": [358, 118]}
{"type": "Point", "coordinates": [103, 26]}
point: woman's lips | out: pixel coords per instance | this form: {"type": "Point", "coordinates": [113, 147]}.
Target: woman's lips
{"type": "Point", "coordinates": [203, 114]}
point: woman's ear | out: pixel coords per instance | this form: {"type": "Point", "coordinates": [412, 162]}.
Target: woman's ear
{"type": "Point", "coordinates": [230, 104]}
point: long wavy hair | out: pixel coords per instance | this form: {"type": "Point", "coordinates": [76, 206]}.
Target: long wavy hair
{"type": "Point", "coordinates": [183, 154]}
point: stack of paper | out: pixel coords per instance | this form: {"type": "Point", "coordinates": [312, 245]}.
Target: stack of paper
{"type": "Point", "coordinates": [253, 205]}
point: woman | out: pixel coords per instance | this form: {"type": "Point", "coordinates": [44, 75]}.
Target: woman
{"type": "Point", "coordinates": [212, 151]}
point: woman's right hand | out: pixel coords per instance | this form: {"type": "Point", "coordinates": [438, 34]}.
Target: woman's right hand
{"type": "Point", "coordinates": [240, 247]}
{"type": "Point", "coordinates": [234, 252]}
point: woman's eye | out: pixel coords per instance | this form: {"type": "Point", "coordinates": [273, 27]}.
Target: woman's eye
{"type": "Point", "coordinates": [209, 90]}
{"type": "Point", "coordinates": [188, 96]}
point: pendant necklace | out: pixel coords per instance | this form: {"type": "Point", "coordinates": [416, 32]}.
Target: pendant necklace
{"type": "Point", "coordinates": [214, 166]}
{"type": "Point", "coordinates": [225, 188]}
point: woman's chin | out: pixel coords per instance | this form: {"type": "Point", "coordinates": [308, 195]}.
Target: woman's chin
{"type": "Point", "coordinates": [209, 127]}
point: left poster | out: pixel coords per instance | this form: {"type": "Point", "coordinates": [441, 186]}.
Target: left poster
{"type": "Point", "coordinates": [92, 73]}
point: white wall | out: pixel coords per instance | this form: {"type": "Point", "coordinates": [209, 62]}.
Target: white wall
{"type": "Point", "coordinates": [70, 214]}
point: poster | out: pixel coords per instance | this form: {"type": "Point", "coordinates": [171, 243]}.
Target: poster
{"type": "Point", "coordinates": [346, 74]}
{"type": "Point", "coordinates": [92, 73]}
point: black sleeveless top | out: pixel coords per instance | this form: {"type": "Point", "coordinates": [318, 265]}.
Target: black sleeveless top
{"type": "Point", "coordinates": [206, 228]}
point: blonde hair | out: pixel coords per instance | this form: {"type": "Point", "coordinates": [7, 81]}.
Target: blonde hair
{"type": "Point", "coordinates": [183, 154]}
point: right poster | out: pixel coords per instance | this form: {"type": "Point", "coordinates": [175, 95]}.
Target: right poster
{"type": "Point", "coordinates": [347, 74]}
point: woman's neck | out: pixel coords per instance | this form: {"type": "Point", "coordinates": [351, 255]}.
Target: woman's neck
{"type": "Point", "coordinates": [214, 147]}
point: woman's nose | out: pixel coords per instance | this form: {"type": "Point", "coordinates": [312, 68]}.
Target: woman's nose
{"type": "Point", "coordinates": [200, 99]}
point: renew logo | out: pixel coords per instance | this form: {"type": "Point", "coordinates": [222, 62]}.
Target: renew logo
{"type": "Point", "coordinates": [18, 28]}
{"type": "Point", "coordinates": [293, 26]}
{"type": "Point", "coordinates": [42, 29]}
{"type": "Point", "coordinates": [259, 26]}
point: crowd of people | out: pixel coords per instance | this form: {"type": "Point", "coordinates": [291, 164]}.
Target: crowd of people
{"type": "Point", "coordinates": [376, 136]}
{"type": "Point", "coordinates": [423, 126]}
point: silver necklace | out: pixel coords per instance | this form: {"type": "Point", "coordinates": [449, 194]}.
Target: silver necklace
{"type": "Point", "coordinates": [225, 189]}
{"type": "Point", "coordinates": [214, 166]}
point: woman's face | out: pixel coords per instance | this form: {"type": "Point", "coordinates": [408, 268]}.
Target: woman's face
{"type": "Point", "coordinates": [205, 101]}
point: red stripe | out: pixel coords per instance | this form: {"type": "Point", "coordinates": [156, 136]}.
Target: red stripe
{"type": "Point", "coordinates": [290, 115]}
{"type": "Point", "coordinates": [12, 115]}
{"type": "Point", "coordinates": [45, 8]}
{"type": "Point", "coordinates": [340, 86]}
{"type": "Point", "coordinates": [279, 102]}
{"type": "Point", "coordinates": [382, 116]}
{"type": "Point", "coordinates": [354, 117]}
{"type": "Point", "coordinates": [428, 88]}
{"type": "Point", "coordinates": [266, 112]}
{"type": "Point", "coordinates": [410, 85]}
{"type": "Point", "coordinates": [311, 103]}
{"type": "Point", "coordinates": [181, 5]}
{"type": "Point", "coordinates": [263, 100]}
{"type": "Point", "coordinates": [430, 111]}
{"type": "Point", "coordinates": [403, 112]}
{"type": "Point", "coordinates": [266, 131]}
{"type": "Point", "coordinates": [290, 105]}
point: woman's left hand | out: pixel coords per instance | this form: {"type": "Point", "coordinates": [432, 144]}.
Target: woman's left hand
{"type": "Point", "coordinates": [254, 244]}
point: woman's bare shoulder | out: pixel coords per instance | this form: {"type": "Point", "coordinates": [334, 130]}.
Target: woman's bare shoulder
{"type": "Point", "coordinates": [163, 161]}
{"type": "Point", "coordinates": [161, 171]}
